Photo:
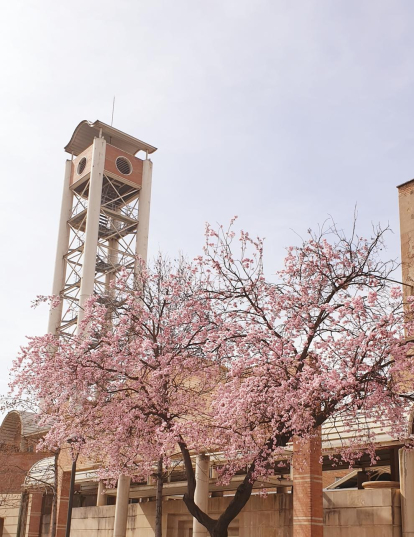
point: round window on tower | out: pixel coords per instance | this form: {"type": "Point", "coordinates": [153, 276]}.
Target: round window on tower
{"type": "Point", "coordinates": [81, 165]}
{"type": "Point", "coordinates": [123, 165]}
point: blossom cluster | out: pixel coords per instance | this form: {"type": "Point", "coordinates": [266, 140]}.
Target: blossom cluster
{"type": "Point", "coordinates": [210, 356]}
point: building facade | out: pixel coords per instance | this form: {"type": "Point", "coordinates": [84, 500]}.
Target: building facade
{"type": "Point", "coordinates": [104, 226]}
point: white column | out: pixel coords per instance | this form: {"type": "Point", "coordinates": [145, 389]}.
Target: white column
{"type": "Point", "coordinates": [144, 206]}
{"type": "Point", "coordinates": [92, 224]}
{"type": "Point", "coordinates": [101, 496]}
{"type": "Point", "coordinates": [55, 314]}
{"type": "Point", "coordinates": [201, 492]}
{"type": "Point", "coordinates": [406, 457]}
{"type": "Point", "coordinates": [121, 506]}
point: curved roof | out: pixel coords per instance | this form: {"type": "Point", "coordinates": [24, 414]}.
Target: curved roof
{"type": "Point", "coordinates": [41, 474]}
{"type": "Point", "coordinates": [86, 131]}
{"type": "Point", "coordinates": [19, 423]}
{"type": "Point", "coordinates": [30, 423]}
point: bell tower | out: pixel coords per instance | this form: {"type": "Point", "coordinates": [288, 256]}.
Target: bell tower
{"type": "Point", "coordinates": [104, 220]}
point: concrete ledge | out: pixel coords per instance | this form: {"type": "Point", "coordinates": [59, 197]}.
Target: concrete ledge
{"type": "Point", "coordinates": [361, 498]}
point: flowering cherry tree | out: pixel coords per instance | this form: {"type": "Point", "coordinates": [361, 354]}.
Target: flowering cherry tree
{"type": "Point", "coordinates": [138, 375]}
{"type": "Point", "coordinates": [211, 356]}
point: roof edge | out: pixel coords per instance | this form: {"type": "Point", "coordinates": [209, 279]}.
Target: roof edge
{"type": "Point", "coordinates": [108, 131]}
{"type": "Point", "coordinates": [405, 183]}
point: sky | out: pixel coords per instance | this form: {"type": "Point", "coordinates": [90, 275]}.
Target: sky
{"type": "Point", "coordinates": [281, 112]}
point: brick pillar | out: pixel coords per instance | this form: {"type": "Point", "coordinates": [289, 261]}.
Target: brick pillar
{"type": "Point", "coordinates": [35, 517]}
{"type": "Point", "coordinates": [62, 503]}
{"type": "Point", "coordinates": [307, 488]}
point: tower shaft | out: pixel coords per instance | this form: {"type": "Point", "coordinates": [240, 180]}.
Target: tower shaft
{"type": "Point", "coordinates": [104, 222]}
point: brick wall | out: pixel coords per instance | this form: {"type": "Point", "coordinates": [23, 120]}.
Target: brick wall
{"type": "Point", "coordinates": [406, 204]}
{"type": "Point", "coordinates": [13, 469]}
{"type": "Point", "coordinates": [331, 476]}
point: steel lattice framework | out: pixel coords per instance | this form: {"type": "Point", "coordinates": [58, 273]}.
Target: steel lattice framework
{"type": "Point", "coordinates": [106, 187]}
{"type": "Point", "coordinates": [118, 222]}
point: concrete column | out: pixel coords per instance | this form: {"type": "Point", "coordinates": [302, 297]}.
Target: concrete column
{"type": "Point", "coordinates": [121, 506]}
{"type": "Point", "coordinates": [55, 314]}
{"type": "Point", "coordinates": [35, 517]}
{"type": "Point", "coordinates": [101, 496]}
{"type": "Point", "coordinates": [92, 224]}
{"type": "Point", "coordinates": [141, 247]}
{"type": "Point", "coordinates": [201, 492]}
{"type": "Point", "coordinates": [406, 457]}
{"type": "Point", "coordinates": [307, 488]}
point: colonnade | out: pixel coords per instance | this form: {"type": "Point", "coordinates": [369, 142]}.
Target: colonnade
{"type": "Point", "coordinates": [307, 495]}
{"type": "Point", "coordinates": [202, 473]}
{"type": "Point", "coordinates": [307, 492]}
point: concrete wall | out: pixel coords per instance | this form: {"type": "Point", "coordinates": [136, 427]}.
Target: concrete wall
{"type": "Point", "coordinates": [261, 517]}
{"type": "Point", "coordinates": [354, 513]}
{"type": "Point", "coordinates": [266, 517]}
{"type": "Point", "coordinates": [9, 511]}
{"type": "Point", "coordinates": [362, 513]}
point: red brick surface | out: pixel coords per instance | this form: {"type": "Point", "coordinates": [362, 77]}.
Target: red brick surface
{"type": "Point", "coordinates": [14, 467]}
{"type": "Point", "coordinates": [307, 489]}
{"type": "Point", "coordinates": [62, 503]}
{"type": "Point", "coordinates": [35, 518]}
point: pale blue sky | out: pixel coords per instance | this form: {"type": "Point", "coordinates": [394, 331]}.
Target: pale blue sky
{"type": "Point", "coordinates": [281, 112]}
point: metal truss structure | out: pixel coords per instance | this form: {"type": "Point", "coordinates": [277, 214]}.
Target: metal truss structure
{"type": "Point", "coordinates": [105, 187]}
{"type": "Point", "coordinates": [118, 222]}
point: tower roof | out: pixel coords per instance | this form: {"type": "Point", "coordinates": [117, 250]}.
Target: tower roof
{"type": "Point", "coordinates": [86, 131]}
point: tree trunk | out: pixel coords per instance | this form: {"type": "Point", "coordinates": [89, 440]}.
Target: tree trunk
{"type": "Point", "coordinates": [71, 494]}
{"type": "Point", "coordinates": [158, 501]}
{"type": "Point", "coordinates": [21, 524]}
{"type": "Point", "coordinates": [219, 527]}
{"type": "Point", "coordinates": [53, 514]}
{"type": "Point", "coordinates": [219, 532]}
